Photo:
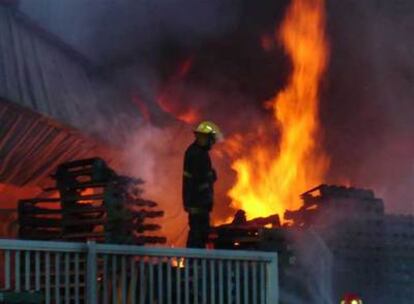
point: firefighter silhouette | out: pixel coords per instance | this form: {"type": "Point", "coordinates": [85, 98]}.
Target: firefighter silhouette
{"type": "Point", "coordinates": [198, 183]}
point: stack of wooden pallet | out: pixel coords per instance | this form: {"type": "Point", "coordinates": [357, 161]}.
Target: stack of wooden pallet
{"type": "Point", "coordinates": [90, 202]}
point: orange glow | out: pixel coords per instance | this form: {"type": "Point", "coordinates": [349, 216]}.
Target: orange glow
{"type": "Point", "coordinates": [169, 105]}
{"type": "Point", "coordinates": [267, 42]}
{"type": "Point", "coordinates": [178, 262]}
{"type": "Point", "coordinates": [170, 97]}
{"type": "Point", "coordinates": [219, 222]}
{"type": "Point", "coordinates": [87, 192]}
{"type": "Point", "coordinates": [345, 182]}
{"type": "Point", "coordinates": [269, 179]}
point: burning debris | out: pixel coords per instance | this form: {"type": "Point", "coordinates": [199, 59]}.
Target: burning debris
{"type": "Point", "coordinates": [92, 203]}
{"type": "Point", "coordinates": [241, 233]}
{"type": "Point", "coordinates": [339, 240]}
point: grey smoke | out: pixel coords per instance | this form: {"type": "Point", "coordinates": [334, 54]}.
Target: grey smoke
{"type": "Point", "coordinates": [367, 108]}
{"type": "Point", "coordinates": [105, 30]}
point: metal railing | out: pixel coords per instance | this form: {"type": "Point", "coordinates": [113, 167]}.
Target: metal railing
{"type": "Point", "coordinates": [99, 273]}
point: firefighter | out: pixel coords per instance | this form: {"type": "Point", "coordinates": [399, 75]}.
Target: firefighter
{"type": "Point", "coordinates": [198, 180]}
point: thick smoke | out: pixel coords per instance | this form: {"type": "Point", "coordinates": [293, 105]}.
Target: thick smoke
{"type": "Point", "coordinates": [109, 32]}
{"type": "Point", "coordinates": [311, 275]}
{"type": "Point", "coordinates": [155, 154]}
{"type": "Point", "coordinates": [368, 105]}
{"type": "Point", "coordinates": [223, 83]}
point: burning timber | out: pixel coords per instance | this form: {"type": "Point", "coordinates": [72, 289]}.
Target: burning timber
{"type": "Point", "coordinates": [339, 240]}
{"type": "Point", "coordinates": [90, 202]}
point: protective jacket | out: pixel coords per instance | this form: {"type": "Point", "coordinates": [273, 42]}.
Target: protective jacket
{"type": "Point", "coordinates": [198, 179]}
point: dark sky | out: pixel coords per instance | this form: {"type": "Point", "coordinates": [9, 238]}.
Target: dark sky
{"type": "Point", "coordinates": [367, 110]}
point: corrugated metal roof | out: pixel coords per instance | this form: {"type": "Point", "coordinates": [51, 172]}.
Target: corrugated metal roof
{"type": "Point", "coordinates": [31, 145]}
{"type": "Point", "coordinates": [38, 75]}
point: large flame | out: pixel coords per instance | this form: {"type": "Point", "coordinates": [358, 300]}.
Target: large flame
{"type": "Point", "coordinates": [269, 180]}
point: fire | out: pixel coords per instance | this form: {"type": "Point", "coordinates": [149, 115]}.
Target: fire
{"type": "Point", "coordinates": [270, 179]}
{"type": "Point", "coordinates": [87, 192]}
{"type": "Point", "coordinates": [178, 262]}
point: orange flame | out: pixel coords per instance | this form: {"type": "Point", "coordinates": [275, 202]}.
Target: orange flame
{"type": "Point", "coordinates": [178, 262]}
{"type": "Point", "coordinates": [269, 181]}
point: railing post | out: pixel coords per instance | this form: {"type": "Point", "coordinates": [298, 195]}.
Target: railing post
{"type": "Point", "coordinates": [91, 288]}
{"type": "Point", "coordinates": [272, 281]}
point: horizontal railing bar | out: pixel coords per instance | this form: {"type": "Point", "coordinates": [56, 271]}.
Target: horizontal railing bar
{"type": "Point", "coordinates": [6, 244]}
{"type": "Point", "coordinates": [187, 253]}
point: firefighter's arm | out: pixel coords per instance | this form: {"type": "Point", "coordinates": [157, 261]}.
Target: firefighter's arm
{"type": "Point", "coordinates": [189, 177]}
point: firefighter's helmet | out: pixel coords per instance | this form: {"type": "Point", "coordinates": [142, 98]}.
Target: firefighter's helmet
{"type": "Point", "coordinates": [351, 298]}
{"type": "Point", "coordinates": [208, 127]}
